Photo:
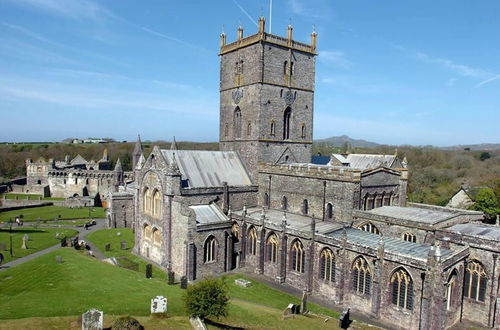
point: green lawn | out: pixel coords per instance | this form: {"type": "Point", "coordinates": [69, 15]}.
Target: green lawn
{"type": "Point", "coordinates": [104, 236]}
{"type": "Point", "coordinates": [53, 212]}
{"type": "Point", "coordinates": [40, 239]}
{"type": "Point", "coordinates": [30, 197]}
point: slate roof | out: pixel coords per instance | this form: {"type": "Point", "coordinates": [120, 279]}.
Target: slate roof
{"type": "Point", "coordinates": [415, 214]}
{"type": "Point", "coordinates": [477, 229]}
{"type": "Point", "coordinates": [392, 245]}
{"type": "Point", "coordinates": [206, 214]}
{"type": "Point", "coordinates": [320, 160]}
{"type": "Point", "coordinates": [204, 169]}
{"type": "Point", "coordinates": [366, 161]}
{"type": "Point", "coordinates": [78, 160]}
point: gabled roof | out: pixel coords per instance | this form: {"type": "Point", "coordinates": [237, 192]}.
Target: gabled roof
{"type": "Point", "coordinates": [206, 214]}
{"type": "Point", "coordinates": [477, 229]}
{"type": "Point", "coordinates": [365, 161]}
{"type": "Point", "coordinates": [203, 169]}
{"type": "Point", "coordinates": [78, 160]}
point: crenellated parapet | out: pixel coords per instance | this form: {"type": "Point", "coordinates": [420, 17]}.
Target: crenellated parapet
{"type": "Point", "coordinates": [312, 171]}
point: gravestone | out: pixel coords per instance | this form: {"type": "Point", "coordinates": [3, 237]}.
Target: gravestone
{"type": "Point", "coordinates": [59, 259]}
{"type": "Point", "coordinates": [171, 278]}
{"type": "Point", "coordinates": [184, 282]}
{"type": "Point", "coordinates": [243, 283]}
{"type": "Point", "coordinates": [123, 245]}
{"type": "Point", "coordinates": [25, 239]}
{"type": "Point", "coordinates": [344, 319]}
{"type": "Point", "coordinates": [107, 247]}
{"type": "Point", "coordinates": [149, 271]}
{"type": "Point", "coordinates": [92, 320]}
{"type": "Point", "coordinates": [3, 247]}
{"type": "Point", "coordinates": [158, 305]}
{"type": "Point", "coordinates": [289, 311]}
{"type": "Point", "coordinates": [58, 235]}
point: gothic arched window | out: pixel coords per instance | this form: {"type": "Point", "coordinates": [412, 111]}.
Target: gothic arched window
{"type": "Point", "coordinates": [147, 232]}
{"type": "Point", "coordinates": [409, 237]}
{"type": "Point", "coordinates": [305, 206]}
{"type": "Point", "coordinates": [272, 248]}
{"type": "Point", "coordinates": [237, 123]}
{"type": "Point", "coordinates": [156, 236]}
{"type": "Point", "coordinates": [327, 265]}
{"type": "Point", "coordinates": [156, 204]}
{"type": "Point", "coordinates": [369, 227]}
{"type": "Point", "coordinates": [210, 249]}
{"type": "Point", "coordinates": [361, 276]}
{"type": "Point", "coordinates": [451, 289]}
{"type": "Point", "coordinates": [402, 289]}
{"type": "Point", "coordinates": [286, 123]}
{"type": "Point", "coordinates": [147, 201]}
{"type": "Point", "coordinates": [252, 241]}
{"type": "Point", "coordinates": [475, 281]}
{"type": "Point", "coordinates": [329, 211]}
{"type": "Point", "coordinates": [298, 256]}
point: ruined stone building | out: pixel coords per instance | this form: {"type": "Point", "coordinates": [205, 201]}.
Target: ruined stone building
{"type": "Point", "coordinates": [343, 231]}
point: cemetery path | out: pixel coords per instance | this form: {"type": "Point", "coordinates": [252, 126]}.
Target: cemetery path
{"type": "Point", "coordinates": [81, 232]}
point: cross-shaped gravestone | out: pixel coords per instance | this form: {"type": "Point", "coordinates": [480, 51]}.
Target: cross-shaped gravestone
{"type": "Point", "coordinates": [25, 239]}
{"type": "Point", "coordinates": [158, 305]}
{"type": "Point", "coordinates": [92, 320]}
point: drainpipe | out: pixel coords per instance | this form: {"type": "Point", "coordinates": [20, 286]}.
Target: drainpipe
{"type": "Point", "coordinates": [324, 199]}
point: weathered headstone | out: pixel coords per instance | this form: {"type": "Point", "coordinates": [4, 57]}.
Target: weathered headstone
{"type": "Point", "coordinates": [171, 278]}
{"type": "Point", "coordinates": [344, 319]}
{"type": "Point", "coordinates": [149, 271]}
{"type": "Point", "coordinates": [243, 283]}
{"type": "Point", "coordinates": [26, 237]}
{"type": "Point", "coordinates": [92, 320]}
{"type": "Point", "coordinates": [107, 247]}
{"type": "Point", "coordinates": [289, 311]}
{"type": "Point", "coordinates": [123, 245]}
{"type": "Point", "coordinates": [59, 259]}
{"type": "Point", "coordinates": [158, 305]}
{"type": "Point", "coordinates": [25, 240]}
{"type": "Point", "coordinates": [184, 282]}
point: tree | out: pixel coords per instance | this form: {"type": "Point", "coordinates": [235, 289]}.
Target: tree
{"type": "Point", "coordinates": [487, 203]}
{"type": "Point", "coordinates": [484, 155]}
{"type": "Point", "coordinates": [207, 298]}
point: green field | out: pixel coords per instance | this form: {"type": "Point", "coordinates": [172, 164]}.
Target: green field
{"type": "Point", "coordinates": [43, 288]}
{"type": "Point", "coordinates": [30, 197]}
{"type": "Point", "coordinates": [39, 239]}
{"type": "Point", "coordinates": [53, 212]}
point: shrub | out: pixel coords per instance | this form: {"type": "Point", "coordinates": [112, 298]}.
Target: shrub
{"type": "Point", "coordinates": [126, 323]}
{"type": "Point", "coordinates": [207, 298]}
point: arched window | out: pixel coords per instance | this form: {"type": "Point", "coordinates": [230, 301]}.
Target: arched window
{"type": "Point", "coordinates": [369, 227]}
{"type": "Point", "coordinates": [147, 232]}
{"type": "Point", "coordinates": [303, 131]}
{"type": "Point", "coordinates": [387, 200]}
{"type": "Point", "coordinates": [298, 256]}
{"type": "Point", "coordinates": [402, 289]}
{"type": "Point", "coordinates": [235, 232]}
{"type": "Point", "coordinates": [327, 265]}
{"type": "Point", "coordinates": [361, 276]}
{"type": "Point", "coordinates": [147, 201]}
{"type": "Point", "coordinates": [305, 206]}
{"type": "Point", "coordinates": [266, 199]}
{"type": "Point", "coordinates": [451, 289]}
{"type": "Point", "coordinates": [409, 237]}
{"type": "Point", "coordinates": [286, 123]}
{"type": "Point", "coordinates": [156, 204]}
{"type": "Point", "coordinates": [252, 241]}
{"type": "Point", "coordinates": [272, 248]}
{"type": "Point", "coordinates": [156, 236]}
{"type": "Point", "coordinates": [371, 202]}
{"type": "Point", "coordinates": [475, 281]}
{"type": "Point", "coordinates": [249, 129]}
{"type": "Point", "coordinates": [378, 200]}
{"type": "Point", "coordinates": [210, 249]}
{"type": "Point", "coordinates": [285, 68]}
{"type": "Point", "coordinates": [237, 123]}
{"type": "Point", "coordinates": [284, 203]}
{"type": "Point", "coordinates": [291, 68]}
{"type": "Point", "coordinates": [329, 211]}
{"type": "Point", "coordinates": [273, 129]}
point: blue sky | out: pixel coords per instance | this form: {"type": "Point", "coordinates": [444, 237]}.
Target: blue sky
{"type": "Point", "coordinates": [396, 72]}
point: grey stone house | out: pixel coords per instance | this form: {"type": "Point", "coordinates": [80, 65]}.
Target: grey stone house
{"type": "Point", "coordinates": [343, 231]}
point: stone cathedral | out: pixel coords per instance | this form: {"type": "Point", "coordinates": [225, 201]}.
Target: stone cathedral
{"type": "Point", "coordinates": [342, 231]}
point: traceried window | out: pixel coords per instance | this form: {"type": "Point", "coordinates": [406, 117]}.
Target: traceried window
{"type": "Point", "coordinates": [252, 241]}
{"type": "Point", "coordinates": [286, 123]}
{"type": "Point", "coordinates": [237, 123]}
{"type": "Point", "coordinates": [272, 248]}
{"type": "Point", "coordinates": [327, 265]}
{"type": "Point", "coordinates": [298, 256]}
{"type": "Point", "coordinates": [475, 281]}
{"type": "Point", "coordinates": [369, 227]}
{"type": "Point", "coordinates": [361, 276]}
{"type": "Point", "coordinates": [409, 237]}
{"type": "Point", "coordinates": [210, 249]}
{"type": "Point", "coordinates": [402, 289]}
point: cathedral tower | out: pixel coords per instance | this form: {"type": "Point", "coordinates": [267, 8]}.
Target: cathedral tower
{"type": "Point", "coordinates": [266, 98]}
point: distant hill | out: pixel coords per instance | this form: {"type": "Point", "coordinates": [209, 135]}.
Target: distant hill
{"type": "Point", "coordinates": [339, 141]}
{"type": "Point", "coordinates": [475, 147]}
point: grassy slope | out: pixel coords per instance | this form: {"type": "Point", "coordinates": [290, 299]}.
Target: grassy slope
{"type": "Point", "coordinates": [40, 239]}
{"type": "Point", "coordinates": [52, 212]}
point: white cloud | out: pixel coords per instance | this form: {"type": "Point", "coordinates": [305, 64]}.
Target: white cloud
{"type": "Point", "coordinates": [487, 81]}
{"type": "Point", "coordinates": [334, 57]}
{"type": "Point", "coordinates": [461, 69]}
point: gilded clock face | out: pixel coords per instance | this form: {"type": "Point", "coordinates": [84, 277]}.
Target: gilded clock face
{"type": "Point", "coordinates": [289, 97]}
{"type": "Point", "coordinates": [237, 96]}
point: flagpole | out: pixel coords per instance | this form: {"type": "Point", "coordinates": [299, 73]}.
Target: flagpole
{"type": "Point", "coordinates": [270, 16]}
